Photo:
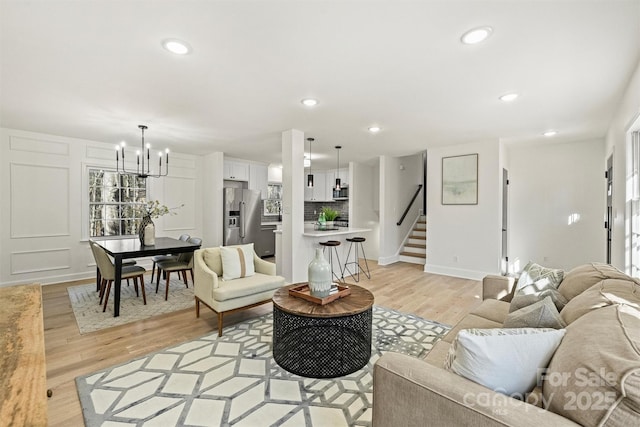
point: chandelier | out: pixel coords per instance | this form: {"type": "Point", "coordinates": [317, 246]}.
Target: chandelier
{"type": "Point", "coordinates": [141, 164]}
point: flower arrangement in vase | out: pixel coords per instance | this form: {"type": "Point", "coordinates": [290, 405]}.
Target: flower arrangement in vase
{"type": "Point", "coordinates": [149, 211]}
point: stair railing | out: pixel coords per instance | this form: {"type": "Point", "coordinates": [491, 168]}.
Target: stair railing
{"type": "Point", "coordinates": [406, 211]}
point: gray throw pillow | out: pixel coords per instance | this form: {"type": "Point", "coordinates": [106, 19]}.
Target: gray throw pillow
{"type": "Point", "coordinates": [542, 314]}
{"type": "Point", "coordinates": [532, 293]}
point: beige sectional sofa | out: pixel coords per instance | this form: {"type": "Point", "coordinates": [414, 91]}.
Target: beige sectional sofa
{"type": "Point", "coordinates": [597, 362]}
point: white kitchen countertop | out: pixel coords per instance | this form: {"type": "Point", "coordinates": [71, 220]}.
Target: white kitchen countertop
{"type": "Point", "coordinates": [310, 232]}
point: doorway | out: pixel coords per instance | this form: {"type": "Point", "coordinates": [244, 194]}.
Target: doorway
{"type": "Point", "coordinates": [505, 222]}
{"type": "Point", "coordinates": [608, 223]}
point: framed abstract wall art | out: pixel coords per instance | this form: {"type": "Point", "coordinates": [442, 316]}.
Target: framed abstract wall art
{"type": "Point", "coordinates": [460, 180]}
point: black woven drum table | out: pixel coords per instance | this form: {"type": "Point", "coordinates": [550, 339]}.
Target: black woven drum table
{"type": "Point", "coordinates": [322, 341]}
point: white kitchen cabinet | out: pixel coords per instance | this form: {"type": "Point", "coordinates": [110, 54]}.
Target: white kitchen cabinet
{"type": "Point", "coordinates": [319, 191]}
{"type": "Point", "coordinates": [274, 174]}
{"type": "Point", "coordinates": [236, 171]}
{"type": "Point", "coordinates": [258, 178]}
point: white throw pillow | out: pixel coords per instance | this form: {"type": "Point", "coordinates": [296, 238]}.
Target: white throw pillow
{"type": "Point", "coordinates": [237, 261]}
{"type": "Point", "coordinates": [505, 360]}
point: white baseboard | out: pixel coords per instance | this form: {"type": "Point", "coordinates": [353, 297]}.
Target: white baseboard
{"type": "Point", "coordinates": [456, 272]}
{"type": "Point", "coordinates": [388, 260]}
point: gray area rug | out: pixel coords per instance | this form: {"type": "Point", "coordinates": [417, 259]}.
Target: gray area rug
{"type": "Point", "coordinates": [90, 318]}
{"type": "Point", "coordinates": [233, 381]}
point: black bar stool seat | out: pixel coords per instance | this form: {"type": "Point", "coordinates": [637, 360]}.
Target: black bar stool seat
{"type": "Point", "coordinates": [333, 244]}
{"type": "Point", "coordinates": [357, 241]}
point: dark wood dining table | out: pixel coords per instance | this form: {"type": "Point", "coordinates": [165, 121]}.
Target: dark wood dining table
{"type": "Point", "coordinates": [121, 249]}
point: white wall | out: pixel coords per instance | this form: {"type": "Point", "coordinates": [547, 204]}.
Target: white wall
{"type": "Point", "coordinates": [464, 240]}
{"type": "Point", "coordinates": [549, 185]}
{"type": "Point", "coordinates": [399, 180]}
{"type": "Point", "coordinates": [43, 189]}
{"type": "Point", "coordinates": [362, 211]}
{"type": "Point", "coordinates": [616, 143]}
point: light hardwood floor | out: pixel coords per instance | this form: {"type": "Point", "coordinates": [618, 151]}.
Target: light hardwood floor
{"type": "Point", "coordinates": [403, 287]}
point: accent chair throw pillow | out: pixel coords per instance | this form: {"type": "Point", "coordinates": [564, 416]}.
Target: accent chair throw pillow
{"type": "Point", "coordinates": [237, 261]}
{"type": "Point", "coordinates": [505, 360]}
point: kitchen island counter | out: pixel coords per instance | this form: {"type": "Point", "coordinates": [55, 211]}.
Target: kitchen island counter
{"type": "Point", "coordinates": [311, 232]}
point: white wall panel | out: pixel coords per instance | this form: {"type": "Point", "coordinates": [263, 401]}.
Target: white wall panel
{"type": "Point", "coordinates": [39, 201]}
{"type": "Point", "coordinates": [18, 143]}
{"type": "Point", "coordinates": [178, 191]}
{"type": "Point", "coordinates": [40, 260]}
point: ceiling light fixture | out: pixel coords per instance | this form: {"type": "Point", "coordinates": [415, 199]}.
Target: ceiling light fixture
{"type": "Point", "coordinates": [309, 102]}
{"type": "Point", "coordinates": [509, 97]}
{"type": "Point", "coordinates": [374, 129]}
{"type": "Point", "coordinates": [550, 133]}
{"type": "Point", "coordinates": [140, 154]}
{"type": "Point", "coordinates": [338, 182]}
{"type": "Point", "coordinates": [310, 176]}
{"type": "Point", "coordinates": [476, 35]}
{"type": "Point", "coordinates": [176, 46]}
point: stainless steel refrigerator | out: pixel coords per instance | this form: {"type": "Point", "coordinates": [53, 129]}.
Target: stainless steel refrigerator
{"type": "Point", "coordinates": [241, 216]}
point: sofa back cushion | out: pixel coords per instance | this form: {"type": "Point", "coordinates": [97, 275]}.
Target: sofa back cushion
{"type": "Point", "coordinates": [594, 375]}
{"type": "Point", "coordinates": [607, 292]}
{"type": "Point", "coordinates": [585, 276]}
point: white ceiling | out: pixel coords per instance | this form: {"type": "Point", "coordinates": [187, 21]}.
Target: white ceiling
{"type": "Point", "coordinates": [96, 69]}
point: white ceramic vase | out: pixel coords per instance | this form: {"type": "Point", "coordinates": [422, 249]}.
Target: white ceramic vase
{"type": "Point", "coordinates": [319, 275]}
{"type": "Point", "coordinates": [150, 234]}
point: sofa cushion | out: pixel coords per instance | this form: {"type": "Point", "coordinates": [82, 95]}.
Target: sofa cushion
{"type": "Point", "coordinates": [246, 286]}
{"type": "Point", "coordinates": [542, 314]}
{"type": "Point", "coordinates": [533, 293]}
{"type": "Point", "coordinates": [607, 292]}
{"type": "Point", "coordinates": [492, 309]}
{"type": "Point", "coordinates": [237, 261]}
{"type": "Point", "coordinates": [213, 260]}
{"type": "Point", "coordinates": [504, 360]}
{"type": "Point", "coordinates": [585, 276]}
{"type": "Point", "coordinates": [543, 276]}
{"type": "Point", "coordinates": [594, 376]}
{"type": "Point", "coordinates": [471, 321]}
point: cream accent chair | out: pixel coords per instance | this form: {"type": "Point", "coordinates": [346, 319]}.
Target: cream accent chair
{"type": "Point", "coordinates": [227, 296]}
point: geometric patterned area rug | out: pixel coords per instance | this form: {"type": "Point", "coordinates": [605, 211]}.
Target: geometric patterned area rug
{"type": "Point", "coordinates": [90, 318]}
{"type": "Point", "coordinates": [233, 381]}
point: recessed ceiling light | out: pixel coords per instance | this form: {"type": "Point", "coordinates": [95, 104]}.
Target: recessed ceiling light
{"type": "Point", "coordinates": [176, 46]}
{"type": "Point", "coordinates": [374, 129]}
{"type": "Point", "coordinates": [309, 102]}
{"type": "Point", "coordinates": [509, 97]}
{"type": "Point", "coordinates": [476, 35]}
{"type": "Point", "coordinates": [550, 133]}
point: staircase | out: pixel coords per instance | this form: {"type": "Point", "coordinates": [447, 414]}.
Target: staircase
{"type": "Point", "coordinates": [415, 247]}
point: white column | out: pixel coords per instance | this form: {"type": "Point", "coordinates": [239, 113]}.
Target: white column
{"type": "Point", "coordinates": [212, 205]}
{"type": "Point", "coordinates": [292, 256]}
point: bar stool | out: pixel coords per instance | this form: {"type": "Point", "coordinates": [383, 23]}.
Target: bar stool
{"type": "Point", "coordinates": [333, 244]}
{"type": "Point", "coordinates": [356, 274]}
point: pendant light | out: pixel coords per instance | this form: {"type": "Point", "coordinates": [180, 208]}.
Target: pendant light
{"type": "Point", "coordinates": [140, 172]}
{"type": "Point", "coordinates": [338, 147]}
{"type": "Point", "coordinates": [310, 176]}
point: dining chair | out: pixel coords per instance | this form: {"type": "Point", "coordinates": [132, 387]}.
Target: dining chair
{"type": "Point", "coordinates": [182, 264]}
{"type": "Point", "coordinates": [108, 273]}
{"type": "Point", "coordinates": [125, 263]}
{"type": "Point", "coordinates": [159, 258]}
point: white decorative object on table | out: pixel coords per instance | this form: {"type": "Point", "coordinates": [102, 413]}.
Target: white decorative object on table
{"type": "Point", "coordinates": [149, 234]}
{"type": "Point", "coordinates": [319, 275]}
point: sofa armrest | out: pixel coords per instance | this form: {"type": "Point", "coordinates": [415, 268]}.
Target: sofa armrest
{"type": "Point", "coordinates": [498, 287]}
{"type": "Point", "coordinates": [264, 267]}
{"type": "Point", "coordinates": [205, 280]}
{"type": "Point", "coordinates": [410, 392]}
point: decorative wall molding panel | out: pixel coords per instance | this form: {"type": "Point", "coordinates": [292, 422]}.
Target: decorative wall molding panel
{"type": "Point", "coordinates": [18, 143]}
{"type": "Point", "coordinates": [40, 260]}
{"type": "Point", "coordinates": [179, 191]}
{"type": "Point", "coordinates": [39, 200]}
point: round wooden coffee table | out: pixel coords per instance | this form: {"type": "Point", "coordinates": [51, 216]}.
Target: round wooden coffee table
{"type": "Point", "coordinates": [322, 341]}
